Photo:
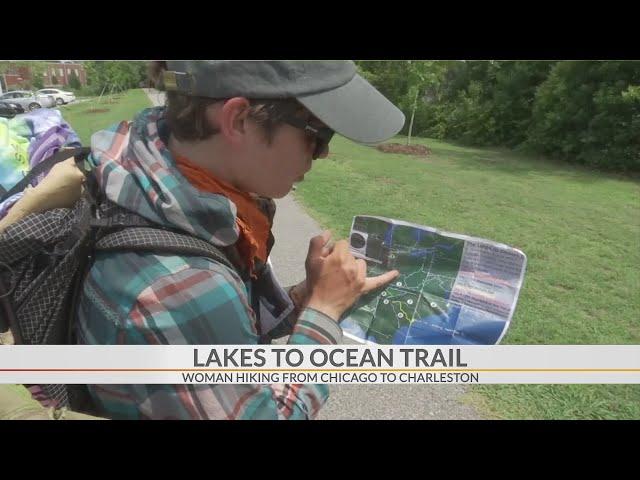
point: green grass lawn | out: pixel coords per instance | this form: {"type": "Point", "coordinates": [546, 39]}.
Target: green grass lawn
{"type": "Point", "coordinates": [86, 118]}
{"type": "Point", "coordinates": [579, 229]}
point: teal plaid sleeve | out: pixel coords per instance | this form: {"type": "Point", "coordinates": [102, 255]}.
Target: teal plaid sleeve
{"type": "Point", "coordinates": [203, 306]}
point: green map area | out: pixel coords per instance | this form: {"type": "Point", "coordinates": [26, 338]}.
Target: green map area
{"type": "Point", "coordinates": [428, 264]}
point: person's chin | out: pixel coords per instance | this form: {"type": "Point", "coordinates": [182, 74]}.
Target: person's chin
{"type": "Point", "coordinates": [286, 189]}
{"type": "Point", "coordinates": [282, 193]}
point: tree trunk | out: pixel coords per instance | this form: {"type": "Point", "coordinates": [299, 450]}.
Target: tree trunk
{"type": "Point", "coordinates": [413, 113]}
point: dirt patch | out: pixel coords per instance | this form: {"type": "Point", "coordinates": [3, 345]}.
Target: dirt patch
{"type": "Point", "coordinates": [96, 110]}
{"type": "Point", "coordinates": [562, 287]}
{"type": "Point", "coordinates": [419, 150]}
{"type": "Point", "coordinates": [387, 181]}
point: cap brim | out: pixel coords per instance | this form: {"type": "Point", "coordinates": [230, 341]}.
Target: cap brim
{"type": "Point", "coordinates": [357, 111]}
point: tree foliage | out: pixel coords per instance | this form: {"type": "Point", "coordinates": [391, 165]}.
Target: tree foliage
{"type": "Point", "coordinates": [586, 112]}
{"type": "Point", "coordinates": [74, 81]}
{"type": "Point", "coordinates": [114, 75]}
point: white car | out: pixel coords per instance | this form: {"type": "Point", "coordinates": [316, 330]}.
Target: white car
{"type": "Point", "coordinates": [61, 96]}
{"type": "Point", "coordinates": [28, 100]}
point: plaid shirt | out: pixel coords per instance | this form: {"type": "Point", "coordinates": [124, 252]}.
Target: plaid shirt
{"type": "Point", "coordinates": [145, 298]}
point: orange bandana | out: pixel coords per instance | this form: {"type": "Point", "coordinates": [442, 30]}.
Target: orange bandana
{"type": "Point", "coordinates": [253, 223]}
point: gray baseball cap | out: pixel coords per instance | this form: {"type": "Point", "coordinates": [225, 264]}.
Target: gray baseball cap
{"type": "Point", "coordinates": [332, 90]}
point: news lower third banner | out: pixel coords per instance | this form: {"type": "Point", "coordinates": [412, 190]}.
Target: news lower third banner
{"type": "Point", "coordinates": [338, 364]}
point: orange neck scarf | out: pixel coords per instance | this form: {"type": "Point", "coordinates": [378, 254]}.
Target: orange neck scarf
{"type": "Point", "coordinates": [253, 223]}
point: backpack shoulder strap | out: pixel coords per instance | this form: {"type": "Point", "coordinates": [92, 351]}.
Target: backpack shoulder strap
{"type": "Point", "coordinates": [149, 239]}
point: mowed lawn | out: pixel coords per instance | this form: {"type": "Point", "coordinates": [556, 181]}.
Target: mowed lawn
{"type": "Point", "coordinates": [579, 229]}
{"type": "Point", "coordinates": [88, 117]}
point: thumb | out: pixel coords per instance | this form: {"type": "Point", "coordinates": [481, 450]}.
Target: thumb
{"type": "Point", "coordinates": [317, 244]}
{"type": "Point", "coordinates": [327, 249]}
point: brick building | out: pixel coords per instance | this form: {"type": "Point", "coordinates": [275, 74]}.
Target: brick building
{"type": "Point", "coordinates": [58, 74]}
{"type": "Point", "coordinates": [17, 77]}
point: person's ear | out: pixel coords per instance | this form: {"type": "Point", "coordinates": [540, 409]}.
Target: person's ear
{"type": "Point", "coordinates": [231, 118]}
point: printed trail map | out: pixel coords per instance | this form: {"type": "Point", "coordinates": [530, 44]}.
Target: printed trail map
{"type": "Point", "coordinates": [452, 289]}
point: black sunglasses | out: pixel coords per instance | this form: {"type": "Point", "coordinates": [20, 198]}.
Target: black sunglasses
{"type": "Point", "coordinates": [322, 135]}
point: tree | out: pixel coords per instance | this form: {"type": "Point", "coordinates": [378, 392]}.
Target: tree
{"type": "Point", "coordinates": [404, 83]}
{"type": "Point", "coordinates": [389, 77]}
{"type": "Point", "coordinates": [114, 75]}
{"type": "Point", "coordinates": [581, 111]}
{"type": "Point", "coordinates": [38, 83]}
{"type": "Point", "coordinates": [512, 98]}
{"type": "Point", "coordinates": [74, 81]}
{"type": "Point", "coordinates": [422, 75]}
{"type": "Point", "coordinates": [587, 112]}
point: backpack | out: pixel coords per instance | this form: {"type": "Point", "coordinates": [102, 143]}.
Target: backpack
{"type": "Point", "coordinates": [45, 257]}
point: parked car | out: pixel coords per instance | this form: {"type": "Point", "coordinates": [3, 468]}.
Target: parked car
{"type": "Point", "coordinates": [62, 97]}
{"type": "Point", "coordinates": [10, 110]}
{"type": "Point", "coordinates": [28, 100]}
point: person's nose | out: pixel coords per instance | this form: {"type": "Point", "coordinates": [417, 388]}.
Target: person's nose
{"type": "Point", "coordinates": [325, 152]}
{"type": "Point", "coordinates": [322, 152]}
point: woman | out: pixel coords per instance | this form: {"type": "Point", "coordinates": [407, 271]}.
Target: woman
{"type": "Point", "coordinates": [232, 137]}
